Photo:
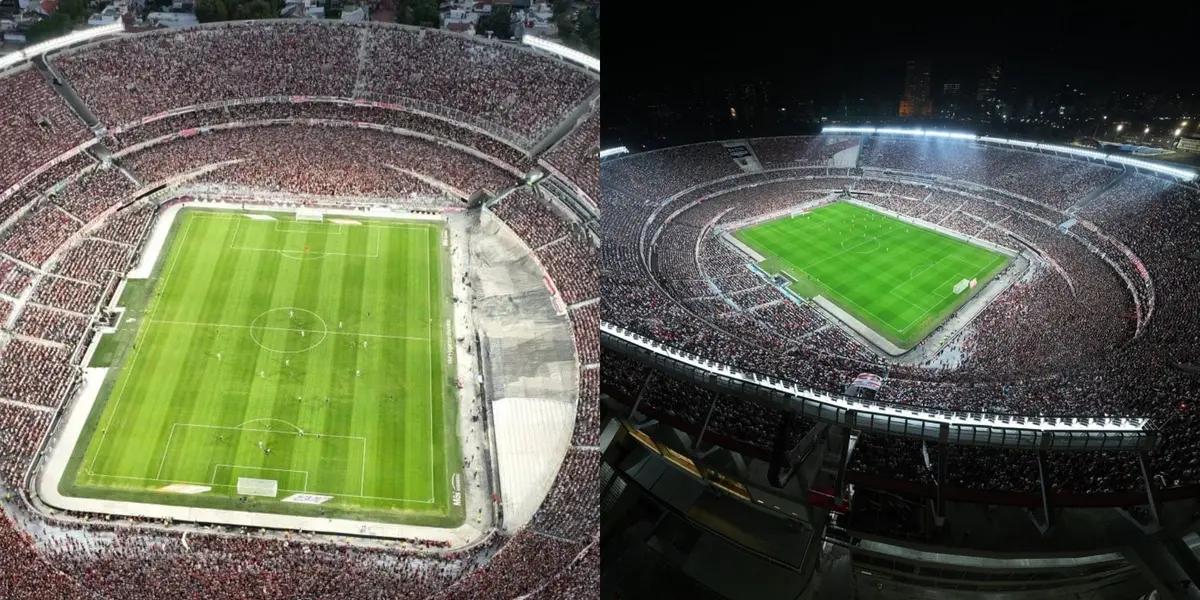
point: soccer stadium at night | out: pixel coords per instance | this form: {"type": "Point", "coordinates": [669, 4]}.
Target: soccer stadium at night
{"type": "Point", "coordinates": [298, 309]}
{"type": "Point", "coordinates": [900, 363]}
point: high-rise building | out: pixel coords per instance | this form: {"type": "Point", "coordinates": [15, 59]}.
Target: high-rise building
{"type": "Point", "coordinates": [987, 94]}
{"type": "Point", "coordinates": [950, 103]}
{"type": "Point", "coordinates": [916, 101]}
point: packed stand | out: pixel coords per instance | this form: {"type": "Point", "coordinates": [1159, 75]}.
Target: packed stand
{"type": "Point", "coordinates": [572, 508]}
{"type": "Point", "coordinates": [67, 294]}
{"type": "Point", "coordinates": [51, 325]}
{"type": "Point", "coordinates": [315, 159]}
{"type": "Point", "coordinates": [1062, 340]}
{"type": "Point", "coordinates": [34, 373]}
{"type": "Point", "coordinates": [130, 77]}
{"type": "Point", "coordinates": [293, 108]}
{"type": "Point", "coordinates": [94, 192]}
{"type": "Point", "coordinates": [577, 156]}
{"type": "Point", "coordinates": [510, 86]}
{"type": "Point", "coordinates": [21, 431]}
{"type": "Point", "coordinates": [587, 413]}
{"type": "Point", "coordinates": [585, 321]}
{"type": "Point", "coordinates": [38, 234]}
{"type": "Point", "coordinates": [571, 263]}
{"type": "Point", "coordinates": [36, 124]}
{"type": "Point", "coordinates": [530, 218]}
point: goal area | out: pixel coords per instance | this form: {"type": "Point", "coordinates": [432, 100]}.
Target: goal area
{"type": "Point", "coordinates": [309, 214]}
{"type": "Point", "coordinates": [249, 486]}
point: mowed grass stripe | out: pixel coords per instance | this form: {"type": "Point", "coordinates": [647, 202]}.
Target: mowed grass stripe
{"type": "Point", "coordinates": [220, 274]}
{"type": "Point", "coordinates": [894, 276]}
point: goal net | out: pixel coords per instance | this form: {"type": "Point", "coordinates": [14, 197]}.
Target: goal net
{"type": "Point", "coordinates": [309, 214]}
{"type": "Point", "coordinates": [249, 486]}
{"type": "Point", "coordinates": [961, 286]}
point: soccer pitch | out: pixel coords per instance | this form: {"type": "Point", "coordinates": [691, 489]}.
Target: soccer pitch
{"type": "Point", "coordinates": [308, 353]}
{"type": "Point", "coordinates": [895, 277]}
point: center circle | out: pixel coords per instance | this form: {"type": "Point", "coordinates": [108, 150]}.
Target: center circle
{"type": "Point", "coordinates": [288, 330]}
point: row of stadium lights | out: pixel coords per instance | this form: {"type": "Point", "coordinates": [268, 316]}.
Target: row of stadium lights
{"type": "Point", "coordinates": [1184, 174]}
{"type": "Point", "coordinates": [1178, 130]}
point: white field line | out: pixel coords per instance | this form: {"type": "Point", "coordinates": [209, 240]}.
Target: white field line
{"type": "Point", "coordinates": [166, 450]}
{"type": "Point", "coordinates": [145, 479]}
{"type": "Point", "coordinates": [864, 309]}
{"type": "Point", "coordinates": [152, 308]}
{"type": "Point", "coordinates": [877, 238]}
{"type": "Point", "coordinates": [341, 229]}
{"type": "Point", "coordinates": [256, 429]}
{"type": "Point", "coordinates": [330, 332]}
{"type": "Point", "coordinates": [990, 264]}
{"type": "Point", "coordinates": [218, 466]}
{"type": "Point", "coordinates": [362, 477]}
{"type": "Point", "coordinates": [137, 344]}
{"type": "Point", "coordinates": [430, 257]}
{"type": "Point", "coordinates": [211, 216]}
{"type": "Point", "coordinates": [289, 253]}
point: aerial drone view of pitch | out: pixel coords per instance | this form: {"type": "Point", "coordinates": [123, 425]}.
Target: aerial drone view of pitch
{"type": "Point", "coordinates": [281, 365]}
{"type": "Point", "coordinates": [900, 279]}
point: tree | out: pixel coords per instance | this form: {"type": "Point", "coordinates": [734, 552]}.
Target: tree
{"type": "Point", "coordinates": [52, 26]}
{"type": "Point", "coordinates": [499, 23]}
{"type": "Point", "coordinates": [253, 9]}
{"type": "Point", "coordinates": [587, 29]}
{"type": "Point", "coordinates": [333, 9]}
{"type": "Point", "coordinates": [418, 12]}
{"type": "Point", "coordinates": [208, 11]}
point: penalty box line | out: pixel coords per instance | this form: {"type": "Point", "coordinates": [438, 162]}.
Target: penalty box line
{"type": "Point", "coordinates": [217, 468]}
{"type": "Point", "coordinates": [227, 485]}
{"type": "Point", "coordinates": [328, 331]}
{"type": "Point", "coordinates": [361, 483]}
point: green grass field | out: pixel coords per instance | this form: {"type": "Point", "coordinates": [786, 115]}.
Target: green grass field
{"type": "Point", "coordinates": [313, 354]}
{"type": "Point", "coordinates": [895, 277]}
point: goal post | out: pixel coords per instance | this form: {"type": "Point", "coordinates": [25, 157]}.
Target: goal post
{"type": "Point", "coordinates": [309, 214]}
{"type": "Point", "coordinates": [961, 286]}
{"type": "Point", "coordinates": [249, 486]}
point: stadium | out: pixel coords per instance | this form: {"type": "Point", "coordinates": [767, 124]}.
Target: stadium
{"type": "Point", "coordinates": [298, 309]}
{"type": "Point", "coordinates": [902, 362]}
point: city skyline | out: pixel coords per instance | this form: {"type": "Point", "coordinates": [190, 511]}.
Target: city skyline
{"type": "Point", "coordinates": [1041, 75]}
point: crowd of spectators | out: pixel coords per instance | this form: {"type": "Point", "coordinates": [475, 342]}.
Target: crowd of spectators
{"type": "Point", "coordinates": [36, 125]}
{"type": "Point", "coordinates": [81, 297]}
{"type": "Point", "coordinates": [571, 263]}
{"type": "Point", "coordinates": [132, 77]}
{"type": "Point", "coordinates": [93, 192]}
{"type": "Point", "coordinates": [585, 322]}
{"type": "Point", "coordinates": [519, 568]}
{"type": "Point", "coordinates": [518, 90]}
{"type": "Point", "coordinates": [572, 508]}
{"type": "Point", "coordinates": [38, 234]}
{"type": "Point", "coordinates": [14, 278]}
{"type": "Point", "coordinates": [35, 373]}
{"type": "Point", "coordinates": [577, 156]}
{"type": "Point", "coordinates": [82, 226]}
{"type": "Point", "coordinates": [21, 430]}
{"type": "Point", "coordinates": [295, 108]}
{"type": "Point", "coordinates": [51, 325]}
{"type": "Point", "coordinates": [1063, 339]}
{"type": "Point", "coordinates": [530, 218]}
{"type": "Point", "coordinates": [315, 160]}
{"type": "Point", "coordinates": [587, 413]}
{"type": "Point", "coordinates": [93, 260]}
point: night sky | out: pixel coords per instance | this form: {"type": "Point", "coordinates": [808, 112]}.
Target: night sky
{"type": "Point", "coordinates": [662, 63]}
